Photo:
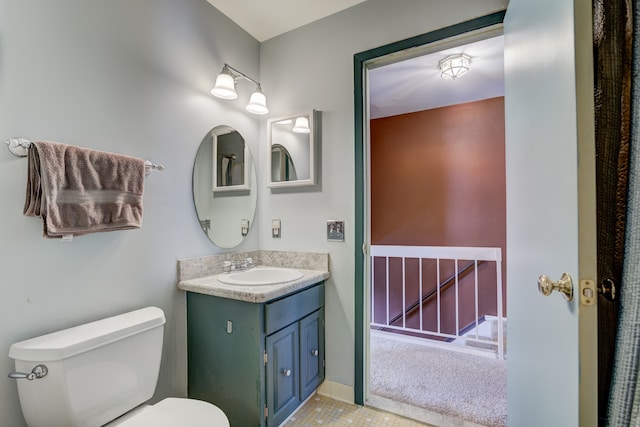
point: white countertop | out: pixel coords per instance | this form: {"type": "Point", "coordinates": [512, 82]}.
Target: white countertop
{"type": "Point", "coordinates": [210, 285]}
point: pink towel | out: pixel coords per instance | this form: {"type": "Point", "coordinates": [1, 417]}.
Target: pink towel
{"type": "Point", "coordinates": [79, 191]}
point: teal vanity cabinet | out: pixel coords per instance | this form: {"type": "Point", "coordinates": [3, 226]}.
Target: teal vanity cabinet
{"type": "Point", "coordinates": [256, 361]}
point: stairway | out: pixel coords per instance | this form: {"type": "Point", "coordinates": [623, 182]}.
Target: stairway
{"type": "Point", "coordinates": [487, 330]}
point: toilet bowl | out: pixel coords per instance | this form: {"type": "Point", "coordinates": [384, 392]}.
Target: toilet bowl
{"type": "Point", "coordinates": [101, 374]}
{"type": "Point", "coordinates": [174, 412]}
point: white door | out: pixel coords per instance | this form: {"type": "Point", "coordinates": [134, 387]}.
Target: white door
{"type": "Point", "coordinates": [550, 212]}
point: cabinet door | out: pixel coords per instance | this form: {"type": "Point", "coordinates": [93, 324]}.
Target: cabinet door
{"type": "Point", "coordinates": [283, 393]}
{"type": "Point", "coordinates": [225, 345]}
{"type": "Point", "coordinates": [311, 353]}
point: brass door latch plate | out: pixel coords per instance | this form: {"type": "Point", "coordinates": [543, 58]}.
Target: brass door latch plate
{"type": "Point", "coordinates": [588, 292]}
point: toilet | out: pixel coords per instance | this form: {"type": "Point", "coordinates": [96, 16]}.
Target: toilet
{"type": "Point", "coordinates": [101, 374]}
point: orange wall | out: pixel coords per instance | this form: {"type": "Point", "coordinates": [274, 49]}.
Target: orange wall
{"type": "Point", "coordinates": [438, 179]}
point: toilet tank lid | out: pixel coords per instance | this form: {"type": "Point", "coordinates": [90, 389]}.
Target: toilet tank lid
{"type": "Point", "coordinates": [69, 342]}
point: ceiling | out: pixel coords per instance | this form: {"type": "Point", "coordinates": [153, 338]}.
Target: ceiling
{"type": "Point", "coordinates": [266, 19]}
{"type": "Point", "coordinates": [401, 87]}
{"type": "Point", "coordinates": [415, 84]}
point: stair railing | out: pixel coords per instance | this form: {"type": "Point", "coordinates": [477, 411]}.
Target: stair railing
{"type": "Point", "coordinates": [443, 286]}
{"type": "Point", "coordinates": [475, 255]}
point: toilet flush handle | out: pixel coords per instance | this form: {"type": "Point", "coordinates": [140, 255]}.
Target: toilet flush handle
{"type": "Point", "coordinates": [36, 373]}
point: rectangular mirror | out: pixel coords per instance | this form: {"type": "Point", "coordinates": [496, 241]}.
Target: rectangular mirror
{"type": "Point", "coordinates": [292, 143]}
{"type": "Point", "coordinates": [230, 160]}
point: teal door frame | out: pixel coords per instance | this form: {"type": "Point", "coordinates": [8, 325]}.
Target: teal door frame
{"type": "Point", "coordinates": [360, 61]}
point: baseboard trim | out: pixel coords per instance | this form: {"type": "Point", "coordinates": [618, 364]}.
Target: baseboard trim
{"type": "Point", "coordinates": [336, 391]}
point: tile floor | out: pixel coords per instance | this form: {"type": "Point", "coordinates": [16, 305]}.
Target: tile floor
{"type": "Point", "coordinates": [323, 411]}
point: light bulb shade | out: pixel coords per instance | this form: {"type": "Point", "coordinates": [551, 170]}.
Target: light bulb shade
{"type": "Point", "coordinates": [257, 103]}
{"type": "Point", "coordinates": [454, 66]}
{"type": "Point", "coordinates": [225, 86]}
{"type": "Point", "coordinates": [301, 125]}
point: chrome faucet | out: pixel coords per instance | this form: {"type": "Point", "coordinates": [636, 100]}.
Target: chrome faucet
{"type": "Point", "coordinates": [245, 264]}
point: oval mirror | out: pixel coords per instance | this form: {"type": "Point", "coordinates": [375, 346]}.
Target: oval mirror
{"type": "Point", "coordinates": [224, 187]}
{"type": "Point", "coordinates": [282, 167]}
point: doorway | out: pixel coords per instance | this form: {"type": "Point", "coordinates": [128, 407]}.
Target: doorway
{"type": "Point", "coordinates": [465, 33]}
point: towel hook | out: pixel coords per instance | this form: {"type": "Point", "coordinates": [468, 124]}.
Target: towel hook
{"type": "Point", "coordinates": [18, 146]}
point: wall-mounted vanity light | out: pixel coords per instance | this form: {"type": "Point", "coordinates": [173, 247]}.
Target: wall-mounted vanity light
{"type": "Point", "coordinates": [301, 125]}
{"type": "Point", "coordinates": [225, 88]}
{"type": "Point", "coordinates": [454, 66]}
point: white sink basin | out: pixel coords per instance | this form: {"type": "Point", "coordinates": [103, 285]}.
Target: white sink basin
{"type": "Point", "coordinates": [260, 276]}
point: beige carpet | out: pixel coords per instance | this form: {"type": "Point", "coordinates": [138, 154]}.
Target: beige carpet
{"type": "Point", "coordinates": [461, 385]}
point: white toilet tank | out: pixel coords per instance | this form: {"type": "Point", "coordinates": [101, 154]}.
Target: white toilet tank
{"type": "Point", "coordinates": [96, 371]}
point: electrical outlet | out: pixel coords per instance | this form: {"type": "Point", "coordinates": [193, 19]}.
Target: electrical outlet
{"type": "Point", "coordinates": [275, 228]}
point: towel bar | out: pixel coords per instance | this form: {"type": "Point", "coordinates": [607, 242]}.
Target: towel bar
{"type": "Point", "coordinates": [20, 146]}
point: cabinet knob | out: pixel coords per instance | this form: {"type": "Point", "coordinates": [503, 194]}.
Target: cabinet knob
{"type": "Point", "coordinates": [314, 352]}
{"type": "Point", "coordinates": [286, 372]}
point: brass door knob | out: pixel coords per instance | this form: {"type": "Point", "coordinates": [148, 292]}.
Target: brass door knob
{"type": "Point", "coordinates": [564, 286]}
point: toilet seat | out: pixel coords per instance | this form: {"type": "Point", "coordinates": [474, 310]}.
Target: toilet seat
{"type": "Point", "coordinates": [172, 412]}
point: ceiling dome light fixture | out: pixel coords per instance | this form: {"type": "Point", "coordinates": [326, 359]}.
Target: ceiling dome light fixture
{"type": "Point", "coordinates": [225, 88]}
{"type": "Point", "coordinates": [454, 66]}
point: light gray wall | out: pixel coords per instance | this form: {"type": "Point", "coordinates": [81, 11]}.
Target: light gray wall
{"type": "Point", "coordinates": [131, 77]}
{"type": "Point", "coordinates": [312, 67]}
{"type": "Point", "coordinates": [134, 78]}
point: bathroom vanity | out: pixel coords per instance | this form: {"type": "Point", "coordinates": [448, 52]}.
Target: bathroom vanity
{"type": "Point", "coordinates": [255, 349]}
{"type": "Point", "coordinates": [257, 352]}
